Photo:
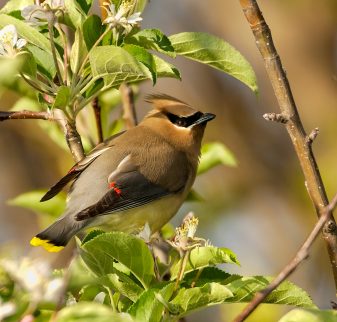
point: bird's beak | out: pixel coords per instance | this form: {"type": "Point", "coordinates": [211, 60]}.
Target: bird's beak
{"type": "Point", "coordinates": [206, 117]}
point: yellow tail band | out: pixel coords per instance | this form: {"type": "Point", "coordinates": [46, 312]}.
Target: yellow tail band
{"type": "Point", "coordinates": [36, 241]}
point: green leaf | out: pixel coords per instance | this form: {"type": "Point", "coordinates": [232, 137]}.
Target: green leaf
{"type": "Point", "coordinates": [62, 97]}
{"type": "Point", "coordinates": [122, 283]}
{"type": "Point", "coordinates": [205, 275]}
{"type": "Point", "coordinates": [91, 312]}
{"type": "Point", "coordinates": [190, 299]}
{"type": "Point", "coordinates": [101, 252]}
{"type": "Point", "coordinates": [27, 32]}
{"type": "Point", "coordinates": [44, 61]}
{"type": "Point", "coordinates": [165, 69]}
{"type": "Point", "coordinates": [213, 154]}
{"type": "Point", "coordinates": [89, 292]}
{"type": "Point", "coordinates": [91, 235]}
{"type": "Point", "coordinates": [31, 200]}
{"type": "Point", "coordinates": [152, 39]}
{"type": "Point", "coordinates": [78, 51]}
{"type": "Point", "coordinates": [15, 5]}
{"type": "Point", "coordinates": [149, 307]}
{"type": "Point", "coordinates": [140, 5]}
{"type": "Point", "coordinates": [115, 65]}
{"type": "Point", "coordinates": [214, 52]}
{"type": "Point", "coordinates": [29, 66]}
{"type": "Point", "coordinates": [74, 12]}
{"type": "Point", "coordinates": [10, 68]}
{"type": "Point", "coordinates": [85, 5]}
{"type": "Point", "coordinates": [38, 45]}
{"type": "Point", "coordinates": [201, 257]}
{"type": "Point", "coordinates": [92, 29]}
{"type": "Point", "coordinates": [287, 293]}
{"type": "Point", "coordinates": [310, 315]}
{"type": "Point", "coordinates": [144, 57]}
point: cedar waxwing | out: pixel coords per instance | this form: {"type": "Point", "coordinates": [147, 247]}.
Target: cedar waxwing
{"type": "Point", "coordinates": [137, 177]}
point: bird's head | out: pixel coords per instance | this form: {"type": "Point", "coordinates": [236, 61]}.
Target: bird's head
{"type": "Point", "coordinates": [179, 123]}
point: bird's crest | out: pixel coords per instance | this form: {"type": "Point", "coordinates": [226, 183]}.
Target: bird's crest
{"type": "Point", "coordinates": [159, 100]}
{"type": "Point", "coordinates": [167, 103]}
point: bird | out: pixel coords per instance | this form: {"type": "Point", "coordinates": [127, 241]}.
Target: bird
{"type": "Point", "coordinates": [135, 178]}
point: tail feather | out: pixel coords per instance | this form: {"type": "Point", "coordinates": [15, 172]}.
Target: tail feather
{"type": "Point", "coordinates": [56, 236]}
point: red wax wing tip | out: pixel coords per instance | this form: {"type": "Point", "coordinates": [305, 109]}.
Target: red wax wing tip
{"type": "Point", "coordinates": [118, 191]}
{"type": "Point", "coordinates": [112, 185]}
{"type": "Point", "coordinates": [71, 170]}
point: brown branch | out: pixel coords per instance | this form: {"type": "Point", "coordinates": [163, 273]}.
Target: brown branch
{"type": "Point", "coordinates": [129, 109]}
{"type": "Point", "coordinates": [73, 138]}
{"type": "Point", "coordinates": [25, 115]}
{"type": "Point", "coordinates": [299, 138]}
{"type": "Point", "coordinates": [97, 111]}
{"type": "Point", "coordinates": [300, 256]}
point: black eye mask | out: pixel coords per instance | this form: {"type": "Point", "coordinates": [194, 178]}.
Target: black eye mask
{"type": "Point", "coordinates": [184, 121]}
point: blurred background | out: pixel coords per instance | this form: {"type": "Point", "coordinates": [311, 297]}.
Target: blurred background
{"type": "Point", "coordinates": [259, 209]}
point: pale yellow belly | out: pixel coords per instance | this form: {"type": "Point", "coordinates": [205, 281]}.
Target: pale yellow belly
{"type": "Point", "coordinates": [156, 214]}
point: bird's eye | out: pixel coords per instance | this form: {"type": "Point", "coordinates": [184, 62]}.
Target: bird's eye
{"type": "Point", "coordinates": [181, 122]}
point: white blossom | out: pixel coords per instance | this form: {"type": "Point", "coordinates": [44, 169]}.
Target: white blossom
{"type": "Point", "coordinates": [10, 44]}
{"type": "Point", "coordinates": [145, 233]}
{"type": "Point", "coordinates": [6, 309]}
{"type": "Point", "coordinates": [120, 17]}
{"type": "Point", "coordinates": [41, 14]}
{"type": "Point", "coordinates": [35, 277]}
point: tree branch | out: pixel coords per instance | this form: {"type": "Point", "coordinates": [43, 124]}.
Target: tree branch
{"type": "Point", "coordinates": [97, 110]}
{"type": "Point", "coordinates": [300, 256]}
{"type": "Point", "coordinates": [73, 138]}
{"type": "Point", "coordinates": [129, 109]}
{"type": "Point", "coordinates": [25, 115]}
{"type": "Point", "coordinates": [302, 143]}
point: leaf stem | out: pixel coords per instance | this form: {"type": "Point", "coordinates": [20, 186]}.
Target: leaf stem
{"type": "Point", "coordinates": [53, 49]}
{"type": "Point", "coordinates": [182, 267]}
{"type": "Point", "coordinates": [65, 55]}
{"type": "Point", "coordinates": [85, 60]}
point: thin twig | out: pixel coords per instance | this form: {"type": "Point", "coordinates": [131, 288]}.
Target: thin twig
{"type": "Point", "coordinates": [129, 109]}
{"type": "Point", "coordinates": [25, 115]}
{"type": "Point", "coordinates": [97, 110]}
{"type": "Point", "coordinates": [184, 259]}
{"type": "Point", "coordinates": [299, 138]}
{"type": "Point", "coordinates": [69, 128]}
{"type": "Point", "coordinates": [300, 256]}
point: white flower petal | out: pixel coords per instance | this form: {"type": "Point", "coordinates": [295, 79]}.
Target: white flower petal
{"type": "Point", "coordinates": [99, 298]}
{"type": "Point", "coordinates": [7, 309]}
{"type": "Point", "coordinates": [8, 35]}
{"type": "Point", "coordinates": [53, 289]}
{"type": "Point", "coordinates": [134, 18]}
{"type": "Point", "coordinates": [21, 43]}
